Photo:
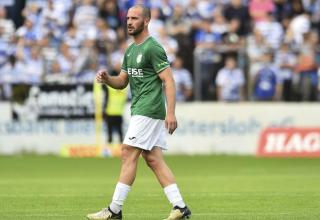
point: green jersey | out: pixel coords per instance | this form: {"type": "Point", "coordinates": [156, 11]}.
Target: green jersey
{"type": "Point", "coordinates": [143, 62]}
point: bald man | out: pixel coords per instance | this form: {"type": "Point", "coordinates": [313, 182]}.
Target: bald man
{"type": "Point", "coordinates": [146, 68]}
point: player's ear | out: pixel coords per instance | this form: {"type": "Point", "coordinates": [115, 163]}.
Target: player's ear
{"type": "Point", "coordinates": [146, 21]}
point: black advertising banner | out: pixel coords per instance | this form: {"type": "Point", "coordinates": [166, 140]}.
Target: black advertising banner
{"type": "Point", "coordinates": [49, 101]}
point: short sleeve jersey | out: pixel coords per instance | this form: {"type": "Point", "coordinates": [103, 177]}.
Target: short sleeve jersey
{"type": "Point", "coordinates": [143, 63]}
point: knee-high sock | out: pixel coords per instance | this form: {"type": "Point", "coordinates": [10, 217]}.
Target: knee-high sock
{"type": "Point", "coordinates": [119, 196]}
{"type": "Point", "coordinates": [173, 194]}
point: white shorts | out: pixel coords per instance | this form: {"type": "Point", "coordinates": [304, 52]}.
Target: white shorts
{"type": "Point", "coordinates": [146, 133]}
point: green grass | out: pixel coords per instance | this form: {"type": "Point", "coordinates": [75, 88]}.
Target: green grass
{"type": "Point", "coordinates": [215, 187]}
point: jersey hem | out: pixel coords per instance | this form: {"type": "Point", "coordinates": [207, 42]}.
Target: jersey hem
{"type": "Point", "coordinates": [149, 116]}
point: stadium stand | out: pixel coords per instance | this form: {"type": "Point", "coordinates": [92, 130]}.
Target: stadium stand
{"type": "Point", "coordinates": [67, 41]}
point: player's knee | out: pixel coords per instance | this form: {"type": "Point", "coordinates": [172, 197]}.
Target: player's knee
{"type": "Point", "coordinates": [125, 153]}
{"type": "Point", "coordinates": [152, 161]}
{"type": "Point", "coordinates": [128, 155]}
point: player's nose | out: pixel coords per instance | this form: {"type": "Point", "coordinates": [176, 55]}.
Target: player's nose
{"type": "Point", "coordinates": [129, 21]}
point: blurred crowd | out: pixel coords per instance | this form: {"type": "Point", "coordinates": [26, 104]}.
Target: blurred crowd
{"type": "Point", "coordinates": [268, 49]}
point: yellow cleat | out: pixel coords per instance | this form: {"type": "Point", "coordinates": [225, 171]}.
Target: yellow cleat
{"type": "Point", "coordinates": [179, 213]}
{"type": "Point", "coordinates": [104, 214]}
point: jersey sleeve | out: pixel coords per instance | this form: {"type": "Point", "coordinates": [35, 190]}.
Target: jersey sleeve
{"type": "Point", "coordinates": [159, 58]}
{"type": "Point", "coordinates": [124, 62]}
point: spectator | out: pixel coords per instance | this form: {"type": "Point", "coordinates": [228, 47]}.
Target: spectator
{"type": "Point", "coordinates": [271, 30]}
{"type": "Point", "coordinates": [85, 18]}
{"type": "Point", "coordinates": [6, 47]}
{"type": "Point", "coordinates": [87, 59]}
{"type": "Point", "coordinates": [205, 8]}
{"type": "Point", "coordinates": [298, 26]}
{"type": "Point", "coordinates": [11, 72]}
{"type": "Point", "coordinates": [156, 24]}
{"type": "Point", "coordinates": [232, 39]}
{"type": "Point", "coordinates": [179, 26]}
{"type": "Point", "coordinates": [296, 8]}
{"type": "Point", "coordinates": [73, 40]}
{"type": "Point", "coordinates": [32, 12]}
{"type": "Point", "coordinates": [285, 61]}
{"type": "Point", "coordinates": [110, 13]}
{"type": "Point", "coordinates": [33, 9]}
{"type": "Point", "coordinates": [106, 42]}
{"type": "Point", "coordinates": [106, 36]}
{"type": "Point", "coordinates": [192, 11]}
{"type": "Point", "coordinates": [170, 45]}
{"type": "Point", "coordinates": [259, 9]}
{"type": "Point", "coordinates": [282, 10]}
{"type": "Point", "coordinates": [204, 37]}
{"type": "Point", "coordinates": [88, 53]}
{"type": "Point", "coordinates": [267, 82]}
{"type": "Point", "coordinates": [54, 21]}
{"type": "Point", "coordinates": [88, 72]}
{"type": "Point", "coordinates": [65, 62]}
{"type": "Point", "coordinates": [212, 32]}
{"type": "Point", "coordinates": [49, 53]}
{"type": "Point", "coordinates": [32, 63]}
{"type": "Point", "coordinates": [307, 68]}
{"type": "Point", "coordinates": [314, 9]}
{"type": "Point", "coordinates": [27, 34]}
{"type": "Point", "coordinates": [6, 25]}
{"type": "Point", "coordinates": [256, 48]}
{"type": "Point", "coordinates": [166, 8]}
{"type": "Point", "coordinates": [116, 57]}
{"type": "Point", "coordinates": [230, 82]}
{"type": "Point", "coordinates": [183, 81]}
{"type": "Point", "coordinates": [236, 10]}
{"type": "Point", "coordinates": [220, 26]}
{"type": "Point", "coordinates": [35, 3]}
{"type": "Point", "coordinates": [64, 6]}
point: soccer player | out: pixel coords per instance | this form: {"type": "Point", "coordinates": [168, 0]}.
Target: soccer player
{"type": "Point", "coordinates": [146, 68]}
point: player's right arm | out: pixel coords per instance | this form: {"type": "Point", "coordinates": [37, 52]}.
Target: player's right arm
{"type": "Point", "coordinates": [116, 82]}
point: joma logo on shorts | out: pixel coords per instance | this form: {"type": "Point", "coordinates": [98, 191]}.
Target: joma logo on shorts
{"type": "Point", "coordinates": [134, 72]}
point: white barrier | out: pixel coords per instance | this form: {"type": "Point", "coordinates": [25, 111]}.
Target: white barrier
{"type": "Point", "coordinates": [204, 128]}
{"type": "Point", "coordinates": [234, 128]}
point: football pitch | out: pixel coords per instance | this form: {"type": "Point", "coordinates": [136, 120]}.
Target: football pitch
{"type": "Point", "coordinates": [215, 187]}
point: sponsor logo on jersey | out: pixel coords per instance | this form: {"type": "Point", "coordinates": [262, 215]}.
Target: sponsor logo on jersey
{"type": "Point", "coordinates": [289, 142]}
{"type": "Point", "coordinates": [135, 72]}
{"type": "Point", "coordinates": [139, 58]}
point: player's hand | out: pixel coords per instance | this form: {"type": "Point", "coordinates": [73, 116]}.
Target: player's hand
{"type": "Point", "coordinates": [102, 76]}
{"type": "Point", "coordinates": [171, 123]}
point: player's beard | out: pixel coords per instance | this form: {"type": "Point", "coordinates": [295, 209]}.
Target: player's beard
{"type": "Point", "coordinates": [137, 30]}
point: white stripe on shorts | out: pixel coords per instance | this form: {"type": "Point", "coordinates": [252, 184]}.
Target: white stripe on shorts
{"type": "Point", "coordinates": [146, 133]}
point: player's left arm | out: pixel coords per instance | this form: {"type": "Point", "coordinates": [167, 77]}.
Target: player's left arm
{"type": "Point", "coordinates": [170, 92]}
